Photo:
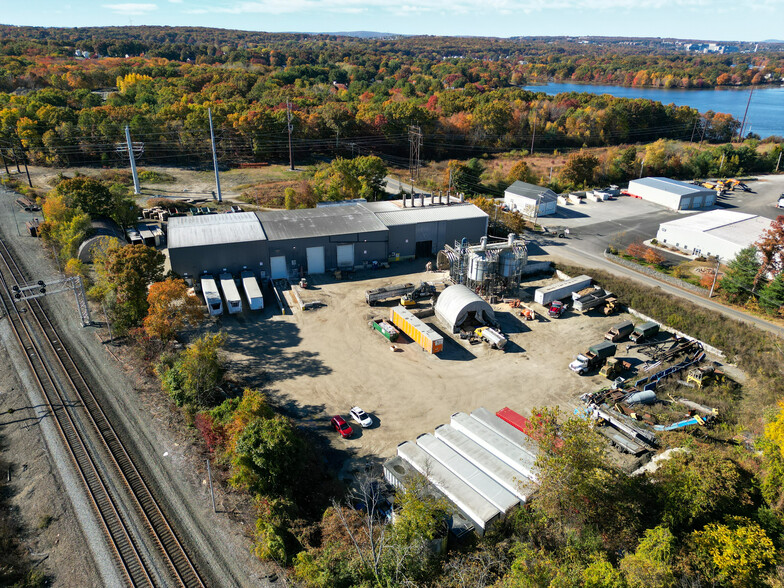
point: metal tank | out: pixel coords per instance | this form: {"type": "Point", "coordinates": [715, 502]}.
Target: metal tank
{"type": "Point", "coordinates": [478, 267]}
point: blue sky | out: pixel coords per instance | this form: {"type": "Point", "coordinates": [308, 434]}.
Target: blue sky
{"type": "Point", "coordinates": [706, 19]}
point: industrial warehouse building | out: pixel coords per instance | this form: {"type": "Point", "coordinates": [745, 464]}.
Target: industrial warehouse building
{"type": "Point", "coordinates": [284, 243]}
{"type": "Point", "coordinates": [672, 194]}
{"type": "Point", "coordinates": [721, 233]}
{"type": "Point", "coordinates": [530, 200]}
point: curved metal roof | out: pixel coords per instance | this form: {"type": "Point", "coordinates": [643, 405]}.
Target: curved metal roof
{"type": "Point", "coordinates": [454, 304]}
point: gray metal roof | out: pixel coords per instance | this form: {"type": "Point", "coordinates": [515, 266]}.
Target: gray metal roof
{"type": "Point", "coordinates": [318, 222]}
{"type": "Point", "coordinates": [671, 186]}
{"type": "Point", "coordinates": [214, 229]}
{"type": "Point", "coordinates": [425, 214]}
{"type": "Point", "coordinates": [527, 190]}
{"type": "Point", "coordinates": [381, 206]}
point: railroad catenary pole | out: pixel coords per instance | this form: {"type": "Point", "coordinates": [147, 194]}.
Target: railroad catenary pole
{"type": "Point", "coordinates": [214, 156]}
{"type": "Point", "coordinates": [136, 187]}
{"type": "Point", "coordinates": [24, 160]}
{"type": "Point", "coordinates": [778, 163]}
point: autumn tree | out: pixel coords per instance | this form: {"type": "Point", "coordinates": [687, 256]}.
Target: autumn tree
{"type": "Point", "coordinates": [650, 564]}
{"type": "Point", "coordinates": [653, 257]}
{"type": "Point", "coordinates": [124, 273]}
{"type": "Point", "coordinates": [522, 172]}
{"type": "Point", "coordinates": [201, 369]}
{"type": "Point", "coordinates": [637, 250]}
{"type": "Point", "coordinates": [171, 307]}
{"type": "Point", "coordinates": [771, 248]}
{"type": "Point", "coordinates": [580, 168]}
{"type": "Point", "coordinates": [464, 177]}
{"type": "Point", "coordinates": [342, 179]}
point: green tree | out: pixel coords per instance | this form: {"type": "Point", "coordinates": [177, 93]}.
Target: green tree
{"type": "Point", "coordinates": [124, 273]}
{"type": "Point", "coordinates": [95, 198]}
{"type": "Point", "coordinates": [465, 177]}
{"type": "Point", "coordinates": [737, 283]}
{"type": "Point", "coordinates": [269, 455]}
{"type": "Point", "coordinates": [342, 179]}
{"type": "Point", "coordinates": [771, 296]}
{"type": "Point", "coordinates": [522, 172]}
{"type": "Point", "coordinates": [201, 369]}
{"type": "Point", "coordinates": [290, 198]}
{"type": "Point", "coordinates": [650, 565]}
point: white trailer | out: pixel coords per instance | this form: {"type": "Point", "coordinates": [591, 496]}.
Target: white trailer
{"type": "Point", "coordinates": [252, 290]}
{"type": "Point", "coordinates": [480, 481]}
{"type": "Point", "coordinates": [480, 510]}
{"type": "Point", "coordinates": [546, 294]}
{"type": "Point", "coordinates": [212, 297]}
{"type": "Point", "coordinates": [507, 431]}
{"type": "Point", "coordinates": [500, 471]}
{"type": "Point", "coordinates": [512, 454]}
{"type": "Point", "coordinates": [229, 287]}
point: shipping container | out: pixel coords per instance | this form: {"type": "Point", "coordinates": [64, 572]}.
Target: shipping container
{"type": "Point", "coordinates": [480, 510]}
{"type": "Point", "coordinates": [620, 331]}
{"type": "Point", "coordinates": [560, 290]}
{"type": "Point", "coordinates": [230, 293]}
{"type": "Point", "coordinates": [643, 331]}
{"type": "Point", "coordinates": [419, 332]}
{"type": "Point", "coordinates": [507, 431]}
{"type": "Point", "coordinates": [475, 477]}
{"type": "Point", "coordinates": [497, 469]}
{"type": "Point", "coordinates": [252, 290]}
{"type": "Point", "coordinates": [512, 454]}
{"type": "Point", "coordinates": [212, 298]}
{"type": "Point", "coordinates": [604, 349]}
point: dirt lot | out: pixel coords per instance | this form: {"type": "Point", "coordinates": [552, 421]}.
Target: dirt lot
{"type": "Point", "coordinates": [322, 362]}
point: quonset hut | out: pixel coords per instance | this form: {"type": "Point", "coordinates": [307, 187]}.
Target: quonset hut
{"type": "Point", "coordinates": [458, 305]}
{"type": "Point", "coordinates": [282, 243]}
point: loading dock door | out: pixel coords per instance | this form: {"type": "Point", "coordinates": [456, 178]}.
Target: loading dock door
{"type": "Point", "coordinates": [315, 257]}
{"type": "Point", "coordinates": [345, 255]}
{"type": "Point", "coordinates": [424, 248]}
{"type": "Point", "coordinates": [278, 267]}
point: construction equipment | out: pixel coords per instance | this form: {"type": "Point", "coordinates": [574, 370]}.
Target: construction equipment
{"type": "Point", "coordinates": [704, 376]}
{"type": "Point", "coordinates": [424, 290]}
{"type": "Point", "coordinates": [556, 309]}
{"type": "Point", "coordinates": [611, 306]}
{"type": "Point", "coordinates": [527, 312]}
{"type": "Point", "coordinates": [689, 422]}
{"type": "Point", "coordinates": [593, 358]}
{"type": "Point", "coordinates": [614, 368]}
{"type": "Point", "coordinates": [619, 331]}
{"type": "Point", "coordinates": [396, 291]}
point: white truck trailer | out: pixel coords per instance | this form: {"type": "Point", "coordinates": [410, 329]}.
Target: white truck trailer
{"type": "Point", "coordinates": [252, 290]}
{"type": "Point", "coordinates": [229, 287]}
{"type": "Point", "coordinates": [212, 297]}
{"type": "Point", "coordinates": [561, 290]}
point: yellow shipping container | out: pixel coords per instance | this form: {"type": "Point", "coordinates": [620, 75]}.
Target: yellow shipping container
{"type": "Point", "coordinates": [416, 329]}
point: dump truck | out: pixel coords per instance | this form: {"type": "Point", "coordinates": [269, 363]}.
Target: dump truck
{"type": "Point", "coordinates": [644, 331]}
{"type": "Point", "coordinates": [492, 337]}
{"type": "Point", "coordinates": [620, 331]}
{"type": "Point", "coordinates": [583, 302]}
{"type": "Point", "coordinates": [386, 328]}
{"type": "Point", "coordinates": [593, 358]}
{"type": "Point", "coordinates": [381, 294]}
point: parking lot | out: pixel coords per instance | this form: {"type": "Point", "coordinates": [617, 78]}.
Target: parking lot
{"type": "Point", "coordinates": [318, 363]}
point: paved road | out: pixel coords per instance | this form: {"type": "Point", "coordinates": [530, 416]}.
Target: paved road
{"type": "Point", "coordinates": [572, 251]}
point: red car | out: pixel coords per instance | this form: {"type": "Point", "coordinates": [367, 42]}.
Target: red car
{"type": "Point", "coordinates": [341, 426]}
{"type": "Point", "coordinates": [556, 309]}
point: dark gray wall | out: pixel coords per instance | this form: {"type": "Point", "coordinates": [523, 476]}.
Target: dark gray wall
{"type": "Point", "coordinates": [439, 232]}
{"type": "Point", "coordinates": [213, 258]}
{"type": "Point", "coordinates": [367, 247]}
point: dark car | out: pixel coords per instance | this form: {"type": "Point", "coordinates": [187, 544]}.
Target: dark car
{"type": "Point", "coordinates": [341, 426]}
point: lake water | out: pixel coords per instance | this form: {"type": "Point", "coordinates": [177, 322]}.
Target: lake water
{"type": "Point", "coordinates": [766, 111]}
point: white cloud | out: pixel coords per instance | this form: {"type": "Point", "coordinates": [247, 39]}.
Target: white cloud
{"type": "Point", "coordinates": [131, 8]}
{"type": "Point", "coordinates": [176, 1]}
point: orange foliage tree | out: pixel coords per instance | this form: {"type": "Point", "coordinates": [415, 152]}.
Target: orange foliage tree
{"type": "Point", "coordinates": [637, 250]}
{"type": "Point", "coordinates": [170, 308]}
{"type": "Point", "coordinates": [653, 257]}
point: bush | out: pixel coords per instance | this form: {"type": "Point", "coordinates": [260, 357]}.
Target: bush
{"type": "Point", "coordinates": [155, 177]}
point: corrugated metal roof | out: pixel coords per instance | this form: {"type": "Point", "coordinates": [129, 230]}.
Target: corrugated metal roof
{"type": "Point", "coordinates": [214, 229]}
{"type": "Point", "coordinates": [412, 216]}
{"type": "Point", "coordinates": [532, 191]}
{"type": "Point", "coordinates": [382, 206]}
{"type": "Point", "coordinates": [318, 222]}
{"type": "Point", "coordinates": [707, 221]}
{"type": "Point", "coordinates": [671, 186]}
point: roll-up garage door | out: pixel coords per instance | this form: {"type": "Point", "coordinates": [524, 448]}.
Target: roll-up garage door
{"type": "Point", "coordinates": [345, 255]}
{"type": "Point", "coordinates": [278, 267]}
{"type": "Point", "coordinates": [315, 257]}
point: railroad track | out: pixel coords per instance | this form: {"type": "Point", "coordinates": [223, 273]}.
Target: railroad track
{"type": "Point", "coordinates": [53, 367]}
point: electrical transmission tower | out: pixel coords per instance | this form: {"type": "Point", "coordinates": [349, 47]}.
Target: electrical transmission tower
{"type": "Point", "coordinates": [290, 126]}
{"type": "Point", "coordinates": [415, 145]}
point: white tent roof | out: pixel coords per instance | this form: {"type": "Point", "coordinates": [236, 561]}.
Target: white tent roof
{"type": "Point", "coordinates": [454, 304]}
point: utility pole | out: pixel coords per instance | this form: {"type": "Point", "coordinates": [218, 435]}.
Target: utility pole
{"type": "Point", "coordinates": [642, 166]}
{"type": "Point", "coordinates": [136, 187]}
{"type": "Point", "coordinates": [704, 128]}
{"type": "Point", "coordinates": [214, 156]}
{"type": "Point", "coordinates": [694, 128]}
{"type": "Point", "coordinates": [414, 146]}
{"type": "Point", "coordinates": [777, 163]}
{"type": "Point", "coordinates": [745, 112]}
{"type": "Point", "coordinates": [721, 165]}
{"type": "Point", "coordinates": [715, 277]}
{"type": "Point", "coordinates": [24, 160]}
{"type": "Point", "coordinates": [290, 128]}
{"type": "Point", "coordinates": [533, 137]}
{"type": "Point", "coordinates": [5, 164]}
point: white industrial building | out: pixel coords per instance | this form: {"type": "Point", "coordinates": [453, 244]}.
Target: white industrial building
{"type": "Point", "coordinates": [672, 194]}
{"type": "Point", "coordinates": [530, 200]}
{"type": "Point", "coordinates": [721, 233]}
